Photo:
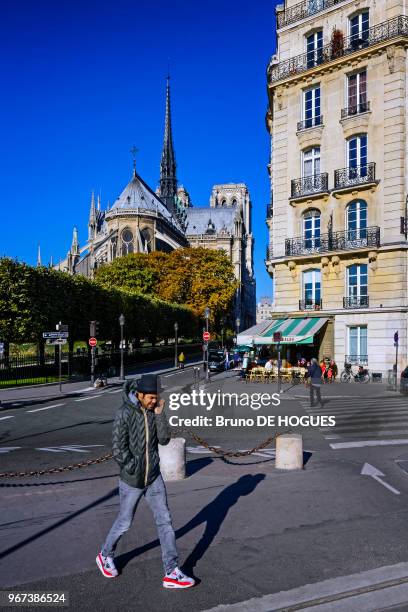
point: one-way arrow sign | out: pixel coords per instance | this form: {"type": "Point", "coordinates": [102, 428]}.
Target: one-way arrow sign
{"type": "Point", "coordinates": [370, 470]}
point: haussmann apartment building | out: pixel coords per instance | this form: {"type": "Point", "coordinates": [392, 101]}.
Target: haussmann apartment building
{"type": "Point", "coordinates": [337, 117]}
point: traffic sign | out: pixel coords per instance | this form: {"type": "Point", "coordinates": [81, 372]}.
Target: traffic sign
{"type": "Point", "coordinates": [396, 337]}
{"type": "Point", "coordinates": [92, 341]}
{"type": "Point", "coordinates": [206, 336]}
{"type": "Point", "coordinates": [55, 334]}
{"type": "Point", "coordinates": [60, 341]}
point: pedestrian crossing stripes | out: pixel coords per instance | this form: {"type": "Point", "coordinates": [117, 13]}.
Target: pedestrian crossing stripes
{"type": "Point", "coordinates": [361, 422]}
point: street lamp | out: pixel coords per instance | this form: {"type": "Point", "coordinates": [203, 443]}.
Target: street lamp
{"type": "Point", "coordinates": [175, 344]}
{"type": "Point", "coordinates": [207, 317]}
{"type": "Point", "coordinates": [122, 369]}
{"type": "Point", "coordinates": [237, 323]}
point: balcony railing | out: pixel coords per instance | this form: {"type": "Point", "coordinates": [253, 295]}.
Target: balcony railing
{"type": "Point", "coordinates": [269, 211]}
{"type": "Point", "coordinates": [310, 304]}
{"type": "Point", "coordinates": [317, 183]}
{"type": "Point", "coordinates": [309, 123]}
{"type": "Point", "coordinates": [355, 109]}
{"type": "Point", "coordinates": [356, 301]}
{"type": "Point", "coordinates": [302, 10]}
{"type": "Point", "coordinates": [356, 359]}
{"type": "Point", "coordinates": [269, 252]}
{"type": "Point", "coordinates": [334, 241]}
{"type": "Point", "coordinates": [392, 28]}
{"type": "Point", "coordinates": [351, 176]}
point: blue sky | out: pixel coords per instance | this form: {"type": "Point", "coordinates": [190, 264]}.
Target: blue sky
{"type": "Point", "coordinates": [82, 81]}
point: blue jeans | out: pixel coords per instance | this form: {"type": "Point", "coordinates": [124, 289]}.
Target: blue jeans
{"type": "Point", "coordinates": [156, 497]}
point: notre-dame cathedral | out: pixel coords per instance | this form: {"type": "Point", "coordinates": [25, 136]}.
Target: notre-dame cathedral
{"type": "Point", "coordinates": [143, 220]}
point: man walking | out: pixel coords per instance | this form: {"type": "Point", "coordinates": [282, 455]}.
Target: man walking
{"type": "Point", "coordinates": [315, 376]}
{"type": "Point", "coordinates": [140, 426]}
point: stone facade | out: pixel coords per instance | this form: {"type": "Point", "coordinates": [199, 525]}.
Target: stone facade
{"type": "Point", "coordinates": [337, 220]}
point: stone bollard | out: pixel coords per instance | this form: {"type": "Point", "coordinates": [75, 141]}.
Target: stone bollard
{"type": "Point", "coordinates": [289, 452]}
{"type": "Point", "coordinates": [173, 459]}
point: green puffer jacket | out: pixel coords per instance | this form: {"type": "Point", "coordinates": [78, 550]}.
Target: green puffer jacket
{"type": "Point", "coordinates": [136, 435]}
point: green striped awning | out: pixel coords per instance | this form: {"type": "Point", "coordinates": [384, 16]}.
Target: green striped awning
{"type": "Point", "coordinates": [294, 331]}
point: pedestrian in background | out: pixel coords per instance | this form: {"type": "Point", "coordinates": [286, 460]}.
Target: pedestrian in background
{"type": "Point", "coordinates": [245, 363]}
{"type": "Point", "coordinates": [315, 377]}
{"type": "Point", "coordinates": [181, 360]}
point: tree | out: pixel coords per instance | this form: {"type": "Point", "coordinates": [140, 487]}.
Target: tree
{"type": "Point", "coordinates": [131, 272]}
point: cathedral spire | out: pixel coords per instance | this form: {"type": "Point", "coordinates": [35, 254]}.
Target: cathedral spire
{"type": "Point", "coordinates": [75, 243]}
{"type": "Point", "coordinates": [92, 219]}
{"type": "Point", "coordinates": [39, 255]}
{"type": "Point", "coordinates": [168, 180]}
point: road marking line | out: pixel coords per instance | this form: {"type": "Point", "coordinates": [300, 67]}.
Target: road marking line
{"type": "Point", "coordinates": [116, 391]}
{"type": "Point", "coordinates": [8, 449]}
{"type": "Point", "coordinates": [7, 417]}
{"type": "Point", "coordinates": [83, 399]}
{"type": "Point", "coordinates": [362, 443]}
{"type": "Point", "coordinates": [46, 408]}
{"type": "Point", "coordinates": [373, 472]}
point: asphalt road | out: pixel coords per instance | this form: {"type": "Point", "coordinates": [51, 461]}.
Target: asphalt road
{"type": "Point", "coordinates": [244, 529]}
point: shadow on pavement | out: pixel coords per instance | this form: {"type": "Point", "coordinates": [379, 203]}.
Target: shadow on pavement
{"type": "Point", "coordinates": [4, 437]}
{"type": "Point", "coordinates": [195, 465]}
{"type": "Point", "coordinates": [67, 519]}
{"type": "Point", "coordinates": [212, 515]}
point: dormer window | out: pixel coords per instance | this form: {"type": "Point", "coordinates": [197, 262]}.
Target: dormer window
{"type": "Point", "coordinates": [210, 227]}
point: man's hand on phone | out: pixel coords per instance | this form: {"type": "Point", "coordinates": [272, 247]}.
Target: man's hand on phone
{"type": "Point", "coordinates": [159, 408]}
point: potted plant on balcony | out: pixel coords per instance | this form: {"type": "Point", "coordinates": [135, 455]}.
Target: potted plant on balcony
{"type": "Point", "coordinates": [336, 43]}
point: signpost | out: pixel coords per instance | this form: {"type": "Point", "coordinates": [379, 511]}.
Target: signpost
{"type": "Point", "coordinates": [58, 338]}
{"type": "Point", "coordinates": [396, 342]}
{"type": "Point", "coordinates": [206, 336]}
{"type": "Point", "coordinates": [277, 337]}
{"type": "Point", "coordinates": [92, 343]}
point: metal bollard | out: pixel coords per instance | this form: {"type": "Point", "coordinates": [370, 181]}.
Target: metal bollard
{"type": "Point", "coordinates": [289, 452]}
{"type": "Point", "coordinates": [173, 459]}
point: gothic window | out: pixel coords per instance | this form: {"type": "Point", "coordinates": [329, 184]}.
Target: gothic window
{"type": "Point", "coordinates": [234, 202]}
{"type": "Point", "coordinates": [146, 240]}
{"type": "Point", "coordinates": [127, 241]}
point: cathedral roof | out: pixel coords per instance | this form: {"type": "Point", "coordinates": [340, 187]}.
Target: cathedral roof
{"type": "Point", "coordinates": [200, 219]}
{"type": "Point", "coordinates": [137, 196]}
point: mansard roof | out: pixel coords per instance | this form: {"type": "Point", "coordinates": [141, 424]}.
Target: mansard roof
{"type": "Point", "coordinates": [199, 219]}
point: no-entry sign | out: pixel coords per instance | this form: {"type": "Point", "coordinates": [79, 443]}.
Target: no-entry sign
{"type": "Point", "coordinates": [92, 341]}
{"type": "Point", "coordinates": [206, 336]}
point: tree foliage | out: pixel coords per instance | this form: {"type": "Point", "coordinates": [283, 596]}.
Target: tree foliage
{"type": "Point", "coordinates": [195, 277]}
{"type": "Point", "coordinates": [33, 300]}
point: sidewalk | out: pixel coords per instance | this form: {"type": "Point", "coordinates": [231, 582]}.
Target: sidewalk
{"type": "Point", "coordinates": [51, 390]}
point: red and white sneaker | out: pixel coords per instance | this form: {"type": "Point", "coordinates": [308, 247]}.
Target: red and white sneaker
{"type": "Point", "coordinates": [177, 580]}
{"type": "Point", "coordinates": [107, 566]}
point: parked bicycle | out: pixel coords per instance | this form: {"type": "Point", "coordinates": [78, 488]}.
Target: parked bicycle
{"type": "Point", "coordinates": [362, 375]}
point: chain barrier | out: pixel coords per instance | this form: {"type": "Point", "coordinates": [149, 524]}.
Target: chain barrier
{"type": "Point", "coordinates": [216, 450]}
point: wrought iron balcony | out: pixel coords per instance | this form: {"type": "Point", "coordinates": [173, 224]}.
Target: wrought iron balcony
{"type": "Point", "coordinates": [302, 10]}
{"type": "Point", "coordinates": [269, 211]}
{"type": "Point", "coordinates": [355, 109]}
{"type": "Point", "coordinates": [351, 176]}
{"type": "Point", "coordinates": [317, 183]}
{"type": "Point", "coordinates": [269, 251]}
{"type": "Point", "coordinates": [310, 304]}
{"type": "Point", "coordinates": [334, 241]}
{"type": "Point", "coordinates": [310, 123]}
{"type": "Point", "coordinates": [387, 30]}
{"type": "Point", "coordinates": [356, 359]}
{"type": "Point", "coordinates": [356, 301]}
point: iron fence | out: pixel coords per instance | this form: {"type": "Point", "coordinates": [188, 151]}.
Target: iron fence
{"type": "Point", "coordinates": [334, 241]}
{"type": "Point", "coordinates": [354, 175]}
{"type": "Point", "coordinates": [355, 109]}
{"type": "Point", "coordinates": [392, 28]}
{"type": "Point", "coordinates": [356, 301]}
{"type": "Point", "coordinates": [31, 370]}
{"type": "Point", "coordinates": [308, 185]}
{"type": "Point", "coordinates": [304, 9]}
{"type": "Point", "coordinates": [309, 123]}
